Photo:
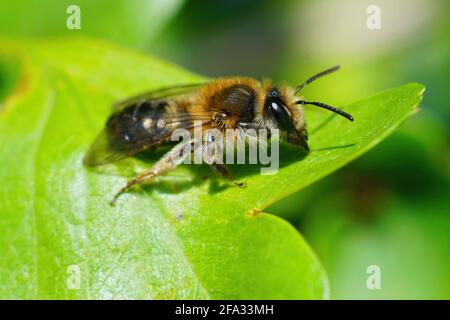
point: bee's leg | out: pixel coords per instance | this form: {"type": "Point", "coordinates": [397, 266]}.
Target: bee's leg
{"type": "Point", "coordinates": [170, 160]}
{"type": "Point", "coordinates": [224, 172]}
{"type": "Point", "coordinates": [214, 150]}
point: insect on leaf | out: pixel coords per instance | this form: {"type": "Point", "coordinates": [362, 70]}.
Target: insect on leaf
{"type": "Point", "coordinates": [182, 237]}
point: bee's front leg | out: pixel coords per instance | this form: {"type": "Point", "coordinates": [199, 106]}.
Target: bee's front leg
{"type": "Point", "coordinates": [213, 150]}
{"type": "Point", "coordinates": [170, 160]}
{"type": "Point", "coordinates": [224, 172]}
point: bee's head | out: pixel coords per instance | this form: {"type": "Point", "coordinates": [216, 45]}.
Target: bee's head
{"type": "Point", "coordinates": [280, 114]}
{"type": "Point", "coordinates": [281, 111]}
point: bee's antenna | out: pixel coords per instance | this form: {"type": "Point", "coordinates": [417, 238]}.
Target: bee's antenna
{"type": "Point", "coordinates": [328, 107]}
{"type": "Point", "coordinates": [315, 77]}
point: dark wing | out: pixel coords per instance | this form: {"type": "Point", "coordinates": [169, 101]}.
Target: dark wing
{"type": "Point", "coordinates": [158, 94]}
{"type": "Point", "coordinates": [141, 122]}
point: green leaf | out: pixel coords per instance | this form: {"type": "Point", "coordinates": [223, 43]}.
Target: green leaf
{"type": "Point", "coordinates": [169, 243]}
{"type": "Point", "coordinates": [183, 236]}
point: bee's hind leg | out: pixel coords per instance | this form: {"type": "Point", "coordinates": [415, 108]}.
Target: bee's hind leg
{"type": "Point", "coordinates": [141, 178]}
{"type": "Point", "coordinates": [170, 160]}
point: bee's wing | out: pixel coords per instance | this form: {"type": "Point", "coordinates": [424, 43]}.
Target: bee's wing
{"type": "Point", "coordinates": [158, 94]}
{"type": "Point", "coordinates": [141, 122]}
{"type": "Point", "coordinates": [105, 150]}
{"type": "Point", "coordinates": [100, 152]}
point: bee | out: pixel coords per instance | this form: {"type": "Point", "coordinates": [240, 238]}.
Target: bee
{"type": "Point", "coordinates": [240, 103]}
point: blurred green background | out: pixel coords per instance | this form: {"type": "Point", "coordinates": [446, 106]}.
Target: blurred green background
{"type": "Point", "coordinates": [389, 208]}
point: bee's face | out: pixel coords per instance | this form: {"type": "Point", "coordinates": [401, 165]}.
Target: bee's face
{"type": "Point", "coordinates": [281, 113]}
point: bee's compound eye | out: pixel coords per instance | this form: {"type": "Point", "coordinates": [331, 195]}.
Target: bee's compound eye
{"type": "Point", "coordinates": [280, 114]}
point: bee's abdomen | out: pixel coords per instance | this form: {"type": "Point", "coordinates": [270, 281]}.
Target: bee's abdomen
{"type": "Point", "coordinates": [137, 124]}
